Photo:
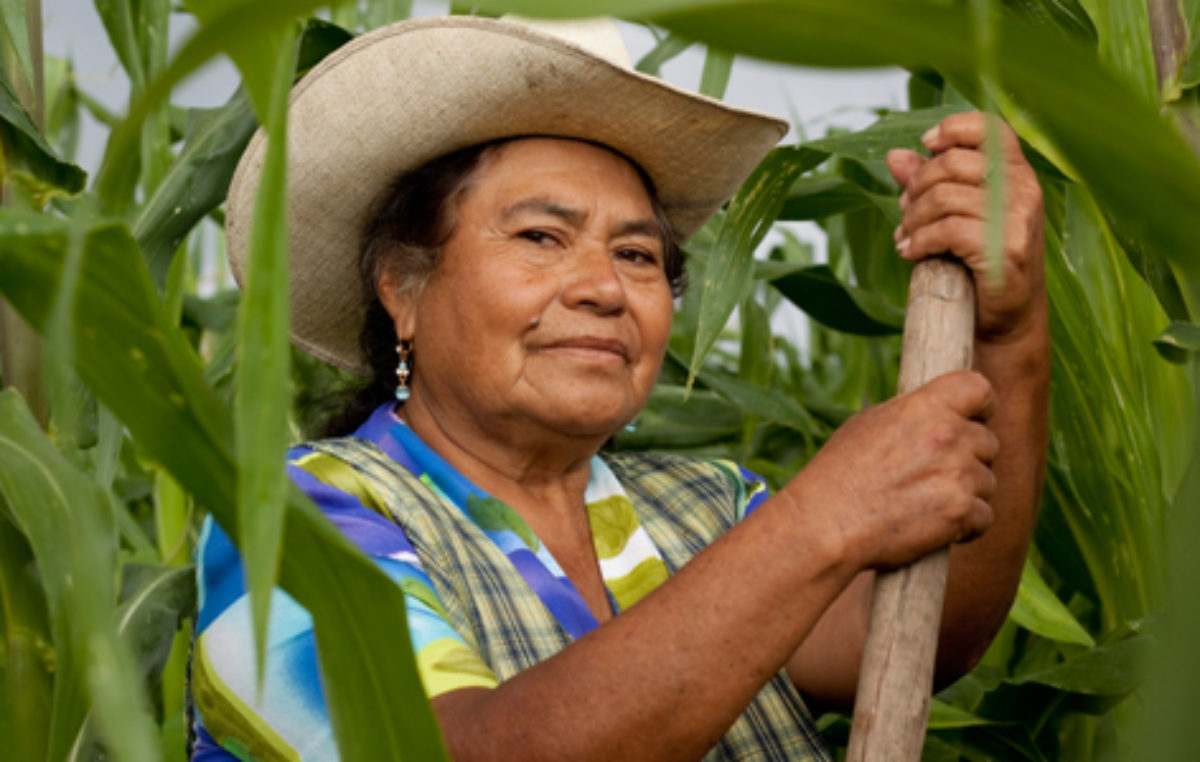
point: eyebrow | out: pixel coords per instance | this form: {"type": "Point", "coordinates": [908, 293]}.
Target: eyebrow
{"type": "Point", "coordinates": [576, 217]}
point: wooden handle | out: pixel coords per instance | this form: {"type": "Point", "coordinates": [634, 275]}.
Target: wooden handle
{"type": "Point", "coordinates": [896, 681]}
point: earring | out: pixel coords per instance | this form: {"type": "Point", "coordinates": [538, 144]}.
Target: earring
{"type": "Point", "coordinates": [403, 350]}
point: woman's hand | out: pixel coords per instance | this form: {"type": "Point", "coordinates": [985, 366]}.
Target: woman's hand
{"type": "Point", "coordinates": [908, 476]}
{"type": "Point", "coordinates": [919, 454]}
{"type": "Point", "coordinates": [945, 207]}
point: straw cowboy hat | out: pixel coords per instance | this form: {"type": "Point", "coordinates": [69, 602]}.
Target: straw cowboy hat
{"type": "Point", "coordinates": [402, 95]}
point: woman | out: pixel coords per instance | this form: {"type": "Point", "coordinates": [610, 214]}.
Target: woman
{"type": "Point", "coordinates": [520, 277]}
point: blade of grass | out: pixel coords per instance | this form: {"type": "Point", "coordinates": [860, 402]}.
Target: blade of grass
{"type": "Point", "coordinates": [667, 48]}
{"type": "Point", "coordinates": [714, 78]}
{"type": "Point", "coordinates": [262, 392]}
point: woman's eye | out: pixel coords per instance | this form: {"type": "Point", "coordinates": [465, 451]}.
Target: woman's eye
{"type": "Point", "coordinates": [536, 236]}
{"type": "Point", "coordinates": [638, 256]}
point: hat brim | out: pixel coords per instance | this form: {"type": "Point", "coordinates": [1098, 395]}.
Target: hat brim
{"type": "Point", "coordinates": [400, 96]}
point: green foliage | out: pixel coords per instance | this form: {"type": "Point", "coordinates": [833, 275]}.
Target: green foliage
{"type": "Point", "coordinates": [152, 426]}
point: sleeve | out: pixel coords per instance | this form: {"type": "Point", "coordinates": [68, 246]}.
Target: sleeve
{"type": "Point", "coordinates": [288, 720]}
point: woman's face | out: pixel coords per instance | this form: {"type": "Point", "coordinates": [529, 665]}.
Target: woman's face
{"type": "Point", "coordinates": [550, 309]}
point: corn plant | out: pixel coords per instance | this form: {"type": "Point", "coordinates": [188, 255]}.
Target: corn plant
{"type": "Point", "coordinates": [125, 416]}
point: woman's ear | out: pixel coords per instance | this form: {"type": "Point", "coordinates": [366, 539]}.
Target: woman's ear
{"type": "Point", "coordinates": [399, 302]}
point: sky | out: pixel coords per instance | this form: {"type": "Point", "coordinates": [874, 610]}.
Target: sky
{"type": "Point", "coordinates": [814, 98]}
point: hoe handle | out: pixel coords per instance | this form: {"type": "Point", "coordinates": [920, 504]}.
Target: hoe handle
{"type": "Point", "coordinates": [896, 680]}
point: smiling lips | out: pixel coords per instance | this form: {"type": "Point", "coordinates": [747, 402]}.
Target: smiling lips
{"type": "Point", "coordinates": [590, 344]}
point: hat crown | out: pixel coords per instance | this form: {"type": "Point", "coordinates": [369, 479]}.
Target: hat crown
{"type": "Point", "coordinates": [597, 35]}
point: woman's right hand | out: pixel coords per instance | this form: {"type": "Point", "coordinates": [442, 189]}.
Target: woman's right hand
{"type": "Point", "coordinates": [906, 477]}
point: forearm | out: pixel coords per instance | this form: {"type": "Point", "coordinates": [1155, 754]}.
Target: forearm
{"type": "Point", "coordinates": [984, 574]}
{"type": "Point", "coordinates": [665, 679]}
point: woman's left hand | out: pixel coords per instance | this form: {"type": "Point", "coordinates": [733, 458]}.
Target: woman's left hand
{"type": "Point", "coordinates": [945, 206]}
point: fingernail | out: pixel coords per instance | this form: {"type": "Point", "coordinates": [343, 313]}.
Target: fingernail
{"type": "Point", "coordinates": [898, 233]}
{"type": "Point", "coordinates": [902, 246]}
{"type": "Point", "coordinates": [931, 135]}
{"type": "Point", "coordinates": [903, 200]}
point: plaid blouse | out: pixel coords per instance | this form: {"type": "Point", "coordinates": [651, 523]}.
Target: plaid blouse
{"type": "Point", "coordinates": [485, 598]}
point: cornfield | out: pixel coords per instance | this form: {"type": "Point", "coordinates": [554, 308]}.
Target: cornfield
{"type": "Point", "coordinates": [125, 417]}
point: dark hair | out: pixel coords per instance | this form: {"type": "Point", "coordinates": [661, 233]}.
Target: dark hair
{"type": "Point", "coordinates": [406, 233]}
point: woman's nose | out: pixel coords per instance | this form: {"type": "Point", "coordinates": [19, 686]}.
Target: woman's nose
{"type": "Point", "coordinates": [593, 281]}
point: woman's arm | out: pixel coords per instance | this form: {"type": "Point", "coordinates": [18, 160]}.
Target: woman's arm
{"type": "Point", "coordinates": [665, 679]}
{"type": "Point", "coordinates": [944, 207]}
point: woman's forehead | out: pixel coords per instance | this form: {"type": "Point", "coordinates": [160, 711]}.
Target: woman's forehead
{"type": "Point", "coordinates": [549, 170]}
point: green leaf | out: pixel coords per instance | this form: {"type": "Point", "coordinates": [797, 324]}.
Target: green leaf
{"type": "Point", "coordinates": [15, 34]}
{"type": "Point", "coordinates": [943, 716]}
{"type": "Point", "coordinates": [26, 669]}
{"type": "Point", "coordinates": [1038, 610]}
{"type": "Point", "coordinates": [671, 419]}
{"type": "Point", "coordinates": [756, 359]}
{"type": "Point", "coordinates": [380, 12]}
{"type": "Point", "coordinates": [818, 292]}
{"type": "Point", "coordinates": [768, 404]}
{"type": "Point", "coordinates": [1066, 15]}
{"type": "Point", "coordinates": [667, 48]}
{"type": "Point", "coordinates": [813, 198]}
{"type": "Point", "coordinates": [120, 22]}
{"type": "Point", "coordinates": [714, 78]}
{"type": "Point", "coordinates": [142, 368]}
{"type": "Point", "coordinates": [1123, 31]}
{"type": "Point", "coordinates": [147, 621]}
{"type": "Point", "coordinates": [730, 263]}
{"type": "Point", "coordinates": [197, 181]}
{"type": "Point", "coordinates": [897, 129]}
{"type": "Point", "coordinates": [69, 525]}
{"type": "Point", "coordinates": [261, 398]}
{"type": "Point", "coordinates": [20, 133]}
{"type": "Point", "coordinates": [1178, 341]}
{"type": "Point", "coordinates": [1111, 670]}
{"type": "Point", "coordinates": [159, 598]}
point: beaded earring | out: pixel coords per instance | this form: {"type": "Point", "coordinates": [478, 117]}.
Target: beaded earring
{"type": "Point", "coordinates": [403, 350]}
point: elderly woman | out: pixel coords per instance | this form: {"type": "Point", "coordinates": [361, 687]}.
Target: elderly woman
{"type": "Point", "coordinates": [520, 275]}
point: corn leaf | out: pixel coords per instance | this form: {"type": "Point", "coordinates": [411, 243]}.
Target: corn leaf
{"type": "Point", "coordinates": [668, 47]}
{"type": "Point", "coordinates": [121, 23]}
{"type": "Point", "coordinates": [16, 32]}
{"type": "Point", "coordinates": [262, 391]}
{"type": "Point", "coordinates": [1177, 341]}
{"type": "Point", "coordinates": [26, 676]}
{"type": "Point", "coordinates": [817, 291]}
{"type": "Point", "coordinates": [1123, 30]}
{"type": "Point", "coordinates": [714, 77]}
{"type": "Point", "coordinates": [197, 181]}
{"type": "Point", "coordinates": [147, 621]}
{"type": "Point", "coordinates": [1109, 670]}
{"type": "Point", "coordinates": [380, 12]}
{"type": "Point", "coordinates": [1038, 610]}
{"type": "Point", "coordinates": [897, 129]}
{"type": "Point", "coordinates": [69, 525]}
{"type": "Point", "coordinates": [142, 368]}
{"type": "Point", "coordinates": [672, 419]}
{"type": "Point", "coordinates": [729, 268]}
{"type": "Point", "coordinates": [21, 133]}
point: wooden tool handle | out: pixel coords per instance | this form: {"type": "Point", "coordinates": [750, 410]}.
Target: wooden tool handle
{"type": "Point", "coordinates": [896, 681]}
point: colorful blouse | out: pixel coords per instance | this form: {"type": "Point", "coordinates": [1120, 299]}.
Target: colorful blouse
{"type": "Point", "coordinates": [485, 597]}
